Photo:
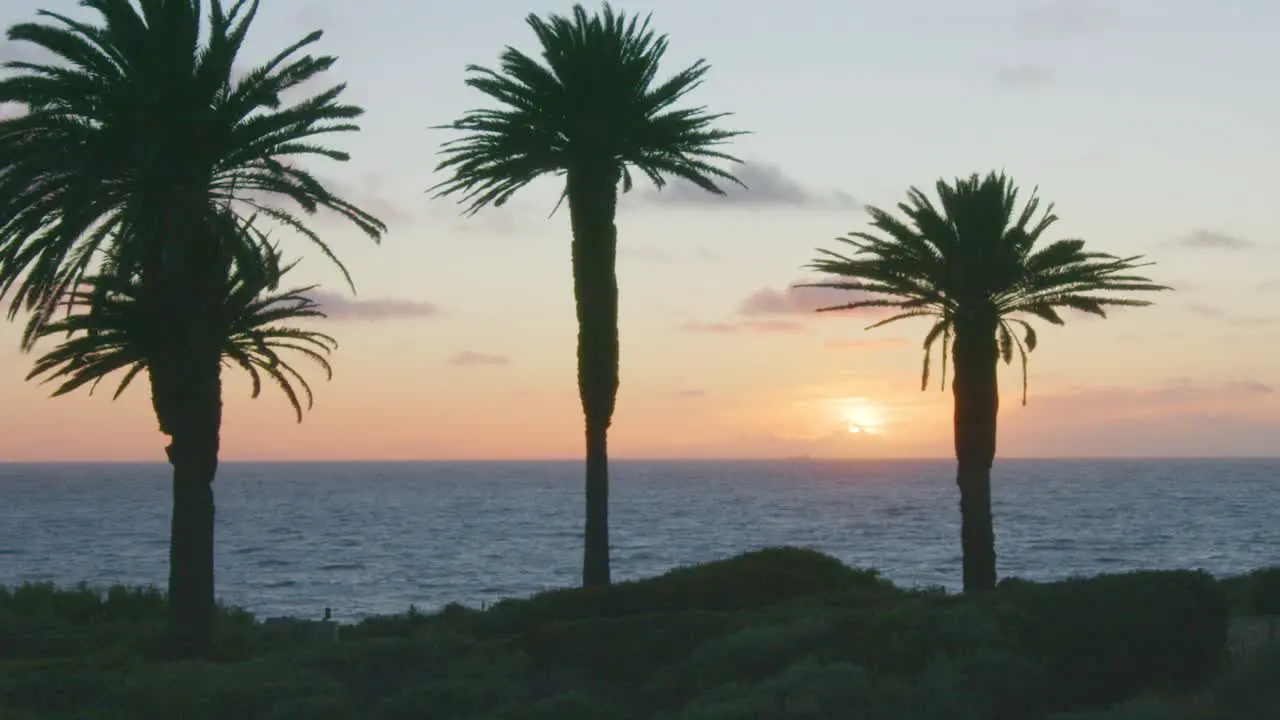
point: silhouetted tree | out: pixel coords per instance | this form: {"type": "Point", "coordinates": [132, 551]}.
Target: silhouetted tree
{"type": "Point", "coordinates": [141, 135]}
{"type": "Point", "coordinates": [593, 111]}
{"type": "Point", "coordinates": [110, 327]}
{"type": "Point", "coordinates": [973, 266]}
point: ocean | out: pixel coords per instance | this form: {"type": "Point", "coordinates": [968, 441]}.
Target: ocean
{"type": "Point", "coordinates": [367, 538]}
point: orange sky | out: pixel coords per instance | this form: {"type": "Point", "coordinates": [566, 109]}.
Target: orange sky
{"type": "Point", "coordinates": [461, 342]}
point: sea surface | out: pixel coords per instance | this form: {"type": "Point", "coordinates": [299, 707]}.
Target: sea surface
{"type": "Point", "coordinates": [369, 538]}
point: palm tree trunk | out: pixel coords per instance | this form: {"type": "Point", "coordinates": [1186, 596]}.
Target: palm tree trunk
{"type": "Point", "coordinates": [592, 208]}
{"type": "Point", "coordinates": [192, 397]}
{"type": "Point", "coordinates": [977, 402]}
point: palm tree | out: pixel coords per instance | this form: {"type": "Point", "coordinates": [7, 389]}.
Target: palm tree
{"type": "Point", "coordinates": [140, 138]}
{"type": "Point", "coordinates": [593, 111]}
{"type": "Point", "coordinates": [974, 267]}
{"type": "Point", "coordinates": [109, 328]}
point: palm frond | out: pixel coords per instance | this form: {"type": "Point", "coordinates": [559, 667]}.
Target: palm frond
{"type": "Point", "coordinates": [594, 99]}
{"type": "Point", "coordinates": [138, 134]}
{"type": "Point", "coordinates": [978, 251]}
{"type": "Point", "coordinates": [110, 327]}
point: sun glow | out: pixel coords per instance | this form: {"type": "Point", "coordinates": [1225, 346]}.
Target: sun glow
{"type": "Point", "coordinates": [861, 416]}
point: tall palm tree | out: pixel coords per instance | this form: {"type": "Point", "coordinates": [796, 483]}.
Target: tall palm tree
{"type": "Point", "coordinates": [593, 111]}
{"type": "Point", "coordinates": [109, 328]}
{"type": "Point", "coordinates": [973, 266]}
{"type": "Point", "coordinates": [141, 137]}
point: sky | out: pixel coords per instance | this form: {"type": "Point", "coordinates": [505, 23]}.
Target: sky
{"type": "Point", "coordinates": [1152, 124]}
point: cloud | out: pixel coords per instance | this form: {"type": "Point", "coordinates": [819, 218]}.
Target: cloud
{"type": "Point", "coordinates": [767, 186]}
{"type": "Point", "coordinates": [1063, 17]}
{"type": "Point", "coordinates": [341, 307]}
{"type": "Point", "coordinates": [691, 394]}
{"type": "Point", "coordinates": [868, 343]}
{"type": "Point", "coordinates": [1023, 75]}
{"type": "Point", "coordinates": [1181, 417]}
{"type": "Point", "coordinates": [793, 300]}
{"type": "Point", "coordinates": [1210, 240]}
{"type": "Point", "coordinates": [646, 254]}
{"type": "Point", "coordinates": [1225, 316]}
{"type": "Point", "coordinates": [750, 326]}
{"type": "Point", "coordinates": [312, 17]}
{"type": "Point", "coordinates": [1207, 311]}
{"type": "Point", "coordinates": [369, 194]}
{"type": "Point", "coordinates": [469, 358]}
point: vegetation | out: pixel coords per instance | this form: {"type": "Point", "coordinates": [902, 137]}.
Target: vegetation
{"type": "Point", "coordinates": [778, 633]}
{"type": "Point", "coordinates": [593, 111]}
{"type": "Point", "coordinates": [973, 266]}
{"type": "Point", "coordinates": [143, 140]}
{"type": "Point", "coordinates": [107, 329]}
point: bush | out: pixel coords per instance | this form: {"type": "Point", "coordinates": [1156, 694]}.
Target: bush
{"type": "Point", "coordinates": [626, 649]}
{"type": "Point", "coordinates": [1111, 637]}
{"type": "Point", "coordinates": [752, 580]}
{"type": "Point", "coordinates": [1264, 591]}
{"type": "Point", "coordinates": [808, 690]}
{"type": "Point", "coordinates": [749, 655]}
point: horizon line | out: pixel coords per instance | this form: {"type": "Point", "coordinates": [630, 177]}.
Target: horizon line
{"type": "Point", "coordinates": [633, 459]}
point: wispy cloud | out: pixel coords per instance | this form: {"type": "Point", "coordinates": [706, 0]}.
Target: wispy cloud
{"type": "Point", "coordinates": [1224, 316]}
{"type": "Point", "coordinates": [1211, 240]}
{"type": "Point", "coordinates": [794, 300]}
{"type": "Point", "coordinates": [663, 256]}
{"type": "Point", "coordinates": [691, 394]}
{"type": "Point", "coordinates": [1180, 417]}
{"type": "Point", "coordinates": [646, 254]}
{"type": "Point", "coordinates": [1063, 17]}
{"type": "Point", "coordinates": [1023, 75]}
{"type": "Point", "coordinates": [370, 193]}
{"type": "Point", "coordinates": [767, 186]}
{"type": "Point", "coordinates": [868, 344]}
{"type": "Point", "coordinates": [341, 307]}
{"type": "Point", "coordinates": [470, 358]}
{"type": "Point", "coordinates": [750, 326]}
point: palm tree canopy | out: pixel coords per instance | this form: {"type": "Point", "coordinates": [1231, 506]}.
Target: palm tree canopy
{"type": "Point", "coordinates": [109, 328]}
{"type": "Point", "coordinates": [977, 252]}
{"type": "Point", "coordinates": [596, 96]}
{"type": "Point", "coordinates": [136, 115]}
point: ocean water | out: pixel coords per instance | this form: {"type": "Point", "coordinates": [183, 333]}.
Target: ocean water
{"type": "Point", "coordinates": [369, 538]}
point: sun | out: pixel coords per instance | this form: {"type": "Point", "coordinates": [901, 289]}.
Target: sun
{"type": "Point", "coordinates": [861, 416]}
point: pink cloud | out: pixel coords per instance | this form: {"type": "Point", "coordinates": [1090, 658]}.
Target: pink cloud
{"type": "Point", "coordinates": [750, 326]}
{"type": "Point", "coordinates": [341, 307]}
{"type": "Point", "coordinates": [868, 343]}
{"type": "Point", "coordinates": [1179, 418]}
{"type": "Point", "coordinates": [469, 358]}
{"type": "Point", "coordinates": [793, 300]}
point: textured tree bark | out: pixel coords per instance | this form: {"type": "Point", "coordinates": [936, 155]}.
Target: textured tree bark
{"type": "Point", "coordinates": [977, 403]}
{"type": "Point", "coordinates": [592, 196]}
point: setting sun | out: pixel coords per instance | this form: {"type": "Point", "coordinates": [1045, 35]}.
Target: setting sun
{"type": "Point", "coordinates": [861, 416]}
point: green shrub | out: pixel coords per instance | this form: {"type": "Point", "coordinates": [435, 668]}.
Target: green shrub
{"type": "Point", "coordinates": [752, 580]}
{"type": "Point", "coordinates": [567, 706]}
{"type": "Point", "coordinates": [264, 689]}
{"type": "Point", "coordinates": [807, 690]}
{"type": "Point", "coordinates": [903, 638]}
{"type": "Point", "coordinates": [372, 669]}
{"type": "Point", "coordinates": [749, 655]}
{"type": "Point", "coordinates": [1264, 595]}
{"type": "Point", "coordinates": [1249, 690]}
{"type": "Point", "coordinates": [625, 649]}
{"type": "Point", "coordinates": [1111, 637]}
